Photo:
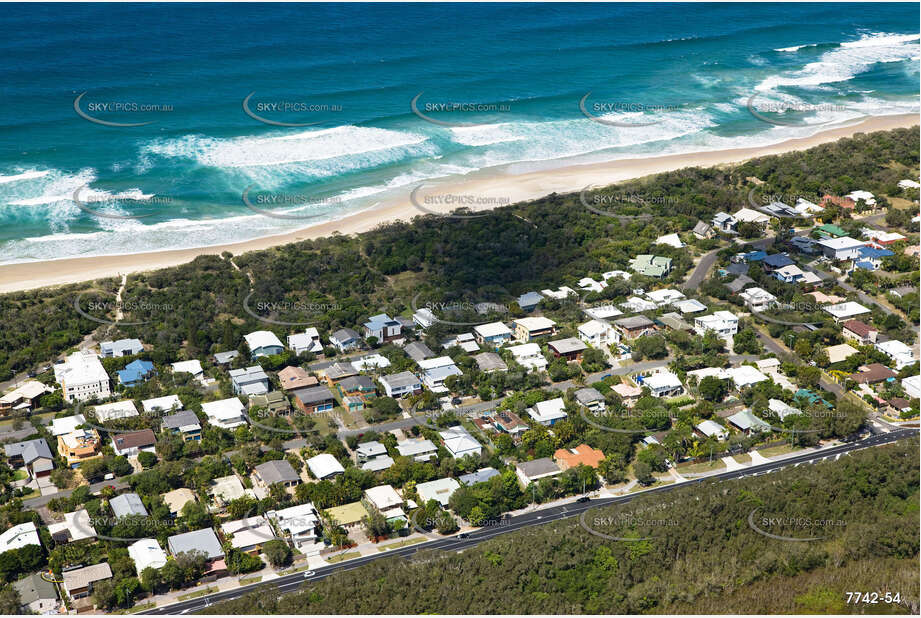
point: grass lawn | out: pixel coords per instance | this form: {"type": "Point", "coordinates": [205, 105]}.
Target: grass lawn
{"type": "Point", "coordinates": [342, 557]}
{"type": "Point", "coordinates": [250, 580]}
{"type": "Point", "coordinates": [773, 451]}
{"type": "Point", "coordinates": [20, 474]}
{"type": "Point", "coordinates": [402, 543]}
{"type": "Point", "coordinates": [35, 494]}
{"type": "Point", "coordinates": [706, 466]}
{"type": "Point", "coordinates": [658, 483]}
{"type": "Point", "coordinates": [294, 570]}
{"type": "Point", "coordinates": [197, 593]}
{"type": "Point", "coordinates": [743, 458]}
{"type": "Point", "coordinates": [142, 607]}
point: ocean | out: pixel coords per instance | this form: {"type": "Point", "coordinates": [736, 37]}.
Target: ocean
{"type": "Point", "coordinates": [135, 127]}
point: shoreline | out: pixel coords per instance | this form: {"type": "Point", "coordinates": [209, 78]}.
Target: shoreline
{"type": "Point", "coordinates": [501, 188]}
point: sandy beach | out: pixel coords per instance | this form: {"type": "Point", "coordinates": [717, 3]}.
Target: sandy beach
{"type": "Point", "coordinates": [496, 186]}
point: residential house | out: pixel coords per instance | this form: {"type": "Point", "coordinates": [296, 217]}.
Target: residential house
{"type": "Point", "coordinates": [494, 333]}
{"type": "Point", "coordinates": [424, 318]}
{"type": "Point", "coordinates": [146, 554]}
{"type": "Point", "coordinates": [902, 355]}
{"type": "Point", "coordinates": [873, 374]}
{"type": "Point", "coordinates": [76, 526]}
{"type": "Point", "coordinates": [345, 339]}
{"type": "Point", "coordinates": [488, 362]}
{"type": "Point", "coordinates": [78, 446]}
{"type": "Point", "coordinates": [248, 534]}
{"type": "Point", "coordinates": [106, 412]}
{"type": "Point", "coordinates": [860, 332]}
{"type": "Point", "coordinates": [383, 328]}
{"type": "Point", "coordinates": [758, 299]}
{"type": "Point", "coordinates": [603, 312]}
{"type": "Point", "coordinates": [189, 366]}
{"type": "Point", "coordinates": [590, 398]}
{"type": "Point", "coordinates": [775, 261]}
{"type": "Point", "coordinates": [292, 378]}
{"type": "Point", "coordinates": [598, 334]}
{"type": "Point", "coordinates": [738, 284]}
{"type": "Point", "coordinates": [357, 386]}
{"type": "Point", "coordinates": [305, 342]}
{"type": "Point", "coordinates": [176, 499]}
{"type": "Point", "coordinates": [436, 370]}
{"type": "Point", "coordinates": [249, 381]}
{"type": "Point", "coordinates": [227, 489]}
{"type": "Point", "coordinates": [570, 349]}
{"type": "Point", "coordinates": [529, 301]}
{"type": "Point", "coordinates": [747, 215]}
{"type": "Point", "coordinates": [459, 443]}
{"type": "Point", "coordinates": [912, 386]}
{"type": "Point", "coordinates": [136, 372]}
{"type": "Point", "coordinates": [439, 490]}
{"type": "Point", "coordinates": [205, 541]}
{"type": "Point", "coordinates": [839, 353]}
{"type": "Point", "coordinates": [782, 409]}
{"type": "Point", "coordinates": [724, 223]}
{"type": "Point", "coordinates": [339, 371]}
{"type": "Point", "coordinates": [651, 265]}
{"type": "Point", "coordinates": [712, 429]}
{"type": "Point", "coordinates": [324, 466]}
{"type": "Point", "coordinates": [672, 240]}
{"type": "Point", "coordinates": [665, 297]}
{"type": "Point", "coordinates": [37, 595]}
{"type": "Point", "coordinates": [32, 455]}
{"type": "Point", "coordinates": [314, 400]}
{"type": "Point", "coordinates": [843, 312]}
{"type": "Point", "coordinates": [691, 305]}
{"type": "Point", "coordinates": [298, 523]}
{"type": "Point", "coordinates": [844, 248]}
{"type": "Point", "coordinates": [19, 536]}
{"type": "Point", "coordinates": [548, 412]}
{"type": "Point", "coordinates": [225, 358]}
{"type": "Point", "coordinates": [161, 404]}
{"type": "Point", "coordinates": [370, 362]}
{"type": "Point", "coordinates": [480, 476]}
{"type": "Point", "coordinates": [661, 384]}
{"type": "Point", "coordinates": [562, 293]}
{"type": "Point", "coordinates": [278, 472]}
{"type": "Point", "coordinates": [263, 343]}
{"type": "Point", "coordinates": [723, 323]}
{"type": "Point", "coordinates": [635, 326]}
{"type": "Point", "coordinates": [529, 356]}
{"type": "Point", "coordinates": [702, 230]}
{"type": "Point", "coordinates": [82, 377]}
{"type": "Point", "coordinates": [528, 329]}
{"type": "Point", "coordinates": [418, 351]}
{"type": "Point", "coordinates": [127, 505]}
{"type": "Point", "coordinates": [794, 274]}
{"type": "Point", "coordinates": [131, 443]}
{"type": "Point", "coordinates": [366, 451]}
{"type": "Point", "coordinates": [184, 423]}
{"type": "Point", "coordinates": [24, 398]}
{"type": "Point", "coordinates": [225, 413]}
{"type": "Point", "coordinates": [419, 449]}
{"type": "Point", "coordinates": [531, 471]}
{"type": "Point", "coordinates": [78, 583]}
{"type": "Point", "coordinates": [273, 403]}
{"type": "Point", "coordinates": [348, 515]}
{"type": "Point", "coordinates": [628, 393]}
{"type": "Point", "coordinates": [582, 455]}
{"type": "Point", "coordinates": [401, 384]}
{"type": "Point", "coordinates": [122, 347]}
{"type": "Point", "coordinates": [748, 422]}
{"type": "Point", "coordinates": [871, 258]}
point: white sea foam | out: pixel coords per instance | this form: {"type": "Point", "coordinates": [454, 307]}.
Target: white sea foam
{"type": "Point", "coordinates": [796, 47]}
{"type": "Point", "coordinates": [848, 60]}
{"type": "Point", "coordinates": [27, 175]}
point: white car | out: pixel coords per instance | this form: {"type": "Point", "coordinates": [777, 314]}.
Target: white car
{"type": "Point", "coordinates": [309, 574]}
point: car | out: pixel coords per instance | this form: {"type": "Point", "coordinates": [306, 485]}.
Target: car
{"type": "Point", "coordinates": [456, 401]}
{"type": "Point", "coordinates": [309, 574]}
{"type": "Point", "coordinates": [463, 535]}
{"type": "Point", "coordinates": [583, 499]}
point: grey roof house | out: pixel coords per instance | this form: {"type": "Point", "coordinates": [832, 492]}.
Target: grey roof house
{"type": "Point", "coordinates": [418, 351]}
{"type": "Point", "coordinates": [35, 455]}
{"type": "Point", "coordinates": [203, 540]}
{"type": "Point", "coordinates": [127, 504]}
{"type": "Point", "coordinates": [249, 381]}
{"type": "Point", "coordinates": [277, 472]}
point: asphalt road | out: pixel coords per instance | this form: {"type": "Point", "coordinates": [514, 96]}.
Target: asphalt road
{"type": "Point", "coordinates": [291, 583]}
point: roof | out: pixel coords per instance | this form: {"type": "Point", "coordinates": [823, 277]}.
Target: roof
{"type": "Point", "coordinates": [663, 379]}
{"type": "Point", "coordinates": [297, 519]}
{"type": "Point", "coordinates": [377, 464]}
{"type": "Point", "coordinates": [413, 447]}
{"type": "Point", "coordinates": [344, 335]}
{"type": "Point", "coordinates": [480, 476]}
{"type": "Point", "coordinates": [745, 420]}
{"type": "Point", "coordinates": [134, 439]}
{"type": "Point", "coordinates": [313, 394]}
{"type": "Point", "coordinates": [204, 540]}
{"type": "Point", "coordinates": [383, 497]}
{"type": "Point", "coordinates": [690, 305]}
{"type": "Point", "coordinates": [778, 260]}
{"type": "Point", "coordinates": [354, 383]}
{"type": "Point", "coordinates": [118, 348]}
{"type": "Point", "coordinates": [418, 351]}
{"type": "Point", "coordinates": [188, 366]}
{"type": "Point", "coordinates": [873, 373]}
{"type": "Point", "coordinates": [295, 377]}
{"type": "Point", "coordinates": [178, 498]}
{"type": "Point", "coordinates": [493, 329]}
{"type": "Point", "coordinates": [670, 239]}
{"type": "Point", "coordinates": [223, 409]}
{"type": "Point", "coordinates": [440, 490]}
{"type": "Point", "coordinates": [536, 323]}
{"type": "Point", "coordinates": [225, 357]}
{"type": "Point", "coordinates": [29, 450]}
{"type": "Point", "coordinates": [118, 409]}
{"type": "Point", "coordinates": [845, 310]}
{"type": "Point", "coordinates": [588, 395]}
{"type": "Point", "coordinates": [859, 328]}
{"type": "Point", "coordinates": [458, 441]}
{"type": "Point", "coordinates": [711, 428]}
{"type": "Point", "coordinates": [169, 402]}
{"type": "Point", "coordinates": [582, 455]}
{"type": "Point", "coordinates": [674, 321]}
{"type": "Point", "coordinates": [702, 228]}
{"type": "Point", "coordinates": [529, 299]}
{"type": "Point", "coordinates": [842, 243]}
{"type": "Point", "coordinates": [838, 353]}
{"type": "Point", "coordinates": [227, 488]}
{"type": "Point", "coordinates": [371, 449]}
{"type": "Point", "coordinates": [135, 370]}
{"type": "Point", "coordinates": [551, 409]}
{"type": "Point", "coordinates": [490, 361]}
{"type": "Point", "coordinates": [538, 467]}
{"type": "Point", "coordinates": [277, 471]}
{"type": "Point", "coordinates": [147, 553]}
{"type": "Point", "coordinates": [633, 322]}
{"type": "Point", "coordinates": [262, 339]}
{"type": "Point", "coordinates": [831, 229]}
{"type": "Point", "coordinates": [182, 419]}
{"type": "Point", "coordinates": [324, 465]}
{"type": "Point", "coordinates": [567, 346]}
{"type": "Point", "coordinates": [77, 525]}
{"type": "Point", "coordinates": [82, 578]}
{"type": "Point", "coordinates": [33, 587]}
{"type": "Point", "coordinates": [400, 380]}
{"type": "Point", "coordinates": [127, 504]}
{"type": "Point", "coordinates": [348, 514]}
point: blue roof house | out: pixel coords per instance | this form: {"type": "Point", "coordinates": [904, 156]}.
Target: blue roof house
{"type": "Point", "coordinates": [135, 372]}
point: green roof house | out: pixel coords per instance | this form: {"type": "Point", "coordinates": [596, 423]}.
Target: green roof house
{"type": "Point", "coordinates": [651, 265]}
{"type": "Point", "coordinates": [829, 231]}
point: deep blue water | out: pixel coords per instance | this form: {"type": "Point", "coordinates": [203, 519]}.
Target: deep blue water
{"type": "Point", "coordinates": [685, 71]}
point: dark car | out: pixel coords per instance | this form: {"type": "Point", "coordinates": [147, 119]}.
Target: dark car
{"type": "Point", "coordinates": [583, 499]}
{"type": "Point", "coordinates": [463, 535]}
{"type": "Point", "coordinates": [456, 401]}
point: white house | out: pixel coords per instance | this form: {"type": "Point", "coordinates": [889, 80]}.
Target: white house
{"type": "Point", "coordinates": [843, 248]}
{"type": "Point", "coordinates": [603, 312]}
{"type": "Point", "coordinates": [324, 466]}
{"type": "Point", "coordinates": [115, 410]}
{"type": "Point", "coordinates": [866, 196]}
{"type": "Point", "coordinates": [494, 333]}
{"type": "Point", "coordinates": [845, 311]}
{"type": "Point", "coordinates": [912, 386]}
{"type": "Point", "coordinates": [162, 404]}
{"type": "Point", "coordinates": [528, 355]}
{"type": "Point", "coordinates": [900, 353]}
{"type": "Point", "coordinates": [548, 412]}
{"type": "Point", "coordinates": [691, 305]}
{"type": "Point", "coordinates": [672, 240]}
{"type": "Point", "coordinates": [307, 341]}
{"type": "Point", "coordinates": [713, 429]}
{"type": "Point", "coordinates": [225, 413]}
{"type": "Point", "coordinates": [401, 384]}
{"type": "Point", "coordinates": [747, 215]}
{"type": "Point", "coordinates": [371, 361]}
{"type": "Point", "coordinates": [19, 536]}
{"type": "Point", "coordinates": [419, 449]}
{"type": "Point", "coordinates": [436, 370]}
{"type": "Point", "coordinates": [424, 318]}
{"type": "Point", "coordinates": [723, 323]}
{"type": "Point", "coordinates": [439, 490]}
{"type": "Point", "coordinates": [598, 334]}
{"type": "Point", "coordinates": [147, 553]}
{"type": "Point", "coordinates": [263, 343]}
{"type": "Point", "coordinates": [82, 377]}
{"type": "Point", "coordinates": [459, 442]}
{"type": "Point", "coordinates": [590, 285]}
{"type": "Point", "coordinates": [758, 299]}
{"type": "Point", "coordinates": [663, 298]}
{"type": "Point", "coordinates": [662, 384]}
